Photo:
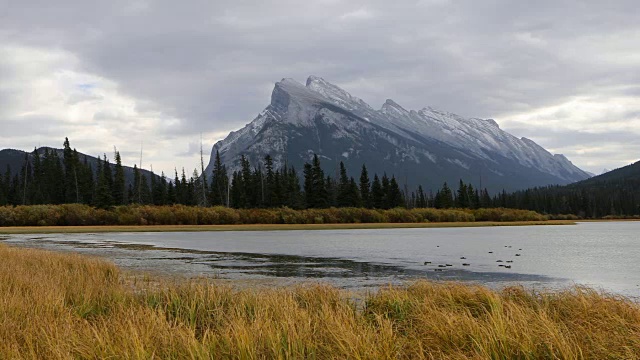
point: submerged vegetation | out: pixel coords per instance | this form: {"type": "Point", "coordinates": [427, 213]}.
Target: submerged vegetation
{"type": "Point", "coordinates": [59, 306]}
{"type": "Point", "coordinates": [78, 215]}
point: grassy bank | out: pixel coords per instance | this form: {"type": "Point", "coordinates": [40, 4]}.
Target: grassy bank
{"type": "Point", "coordinates": [83, 215]}
{"type": "Point", "coordinates": [262, 227]}
{"type": "Point", "coordinates": [60, 306]}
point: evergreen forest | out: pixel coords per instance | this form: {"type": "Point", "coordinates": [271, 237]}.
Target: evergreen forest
{"type": "Point", "coordinates": [47, 178]}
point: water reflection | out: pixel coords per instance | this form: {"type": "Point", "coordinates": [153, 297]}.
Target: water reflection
{"type": "Point", "coordinates": [241, 265]}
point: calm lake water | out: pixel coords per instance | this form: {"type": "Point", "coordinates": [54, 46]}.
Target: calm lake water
{"type": "Point", "coordinates": [603, 255]}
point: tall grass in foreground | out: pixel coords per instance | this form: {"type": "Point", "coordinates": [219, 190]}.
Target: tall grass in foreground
{"type": "Point", "coordinates": [59, 306]}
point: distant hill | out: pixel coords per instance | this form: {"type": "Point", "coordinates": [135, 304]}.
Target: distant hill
{"type": "Point", "coordinates": [15, 160]}
{"type": "Point", "coordinates": [615, 193]}
{"type": "Point", "coordinates": [629, 173]}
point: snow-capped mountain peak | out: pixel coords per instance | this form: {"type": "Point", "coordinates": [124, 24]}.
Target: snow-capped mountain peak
{"type": "Point", "coordinates": [433, 145]}
{"type": "Point", "coordinates": [393, 109]}
{"type": "Point", "coordinates": [336, 94]}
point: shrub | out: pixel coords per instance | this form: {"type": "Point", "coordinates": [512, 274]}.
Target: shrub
{"type": "Point", "coordinates": [401, 215]}
{"type": "Point", "coordinates": [502, 214]}
{"type": "Point", "coordinates": [258, 216]}
{"type": "Point", "coordinates": [289, 216]}
{"type": "Point", "coordinates": [79, 214]}
{"type": "Point", "coordinates": [226, 216]}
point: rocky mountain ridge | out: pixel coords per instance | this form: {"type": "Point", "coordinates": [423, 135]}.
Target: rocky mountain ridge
{"type": "Point", "coordinates": [426, 146]}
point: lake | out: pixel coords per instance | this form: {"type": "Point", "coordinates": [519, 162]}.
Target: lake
{"type": "Point", "coordinates": [604, 255]}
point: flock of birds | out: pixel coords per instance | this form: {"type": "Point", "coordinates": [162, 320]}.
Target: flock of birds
{"type": "Point", "coordinates": [504, 264]}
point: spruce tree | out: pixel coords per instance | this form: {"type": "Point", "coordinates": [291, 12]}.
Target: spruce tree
{"type": "Point", "coordinates": [119, 188]}
{"type": "Point", "coordinates": [72, 193]}
{"type": "Point", "coordinates": [136, 196]}
{"type": "Point", "coordinates": [294, 198]}
{"type": "Point", "coordinates": [365, 187]}
{"type": "Point", "coordinates": [421, 199]}
{"type": "Point", "coordinates": [269, 182]}
{"type": "Point", "coordinates": [444, 198]}
{"type": "Point", "coordinates": [386, 203]}
{"type": "Point", "coordinates": [344, 196]}
{"type": "Point", "coordinates": [354, 193]}
{"type": "Point", "coordinates": [462, 196]}
{"type": "Point", "coordinates": [395, 198]}
{"type": "Point", "coordinates": [377, 194]}
{"type": "Point", "coordinates": [219, 182]}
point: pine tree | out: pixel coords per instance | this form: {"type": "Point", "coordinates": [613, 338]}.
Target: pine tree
{"type": "Point", "coordinates": [119, 194]}
{"type": "Point", "coordinates": [269, 182]}
{"type": "Point", "coordinates": [354, 193]}
{"type": "Point", "coordinates": [294, 198]}
{"type": "Point", "coordinates": [421, 200]}
{"type": "Point", "coordinates": [136, 196]}
{"type": "Point", "coordinates": [395, 198]}
{"type": "Point", "coordinates": [237, 191]}
{"type": "Point", "coordinates": [219, 183]}
{"type": "Point", "coordinates": [444, 198]}
{"type": "Point", "coordinates": [344, 196]}
{"type": "Point", "coordinates": [26, 179]}
{"type": "Point", "coordinates": [365, 188]}
{"type": "Point", "coordinates": [104, 198]}
{"type": "Point", "coordinates": [171, 194]}
{"type": "Point", "coordinates": [72, 194]}
{"type": "Point", "coordinates": [462, 196]}
{"type": "Point", "coordinates": [386, 203]}
{"type": "Point", "coordinates": [247, 190]}
{"type": "Point", "coordinates": [377, 194]}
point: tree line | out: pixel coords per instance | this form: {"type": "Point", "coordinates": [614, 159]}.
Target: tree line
{"type": "Point", "coordinates": [620, 198]}
{"type": "Point", "coordinates": [47, 178]}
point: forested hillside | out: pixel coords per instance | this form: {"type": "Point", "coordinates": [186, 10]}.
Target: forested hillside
{"type": "Point", "coordinates": [616, 193]}
{"type": "Point", "coordinates": [58, 176]}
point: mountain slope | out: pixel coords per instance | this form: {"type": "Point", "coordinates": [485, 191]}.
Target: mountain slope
{"type": "Point", "coordinates": [420, 147]}
{"type": "Point", "coordinates": [626, 173]}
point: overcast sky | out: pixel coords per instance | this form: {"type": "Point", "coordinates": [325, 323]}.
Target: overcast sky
{"type": "Point", "coordinates": [563, 73]}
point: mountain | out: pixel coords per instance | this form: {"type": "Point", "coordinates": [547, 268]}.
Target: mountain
{"type": "Point", "coordinates": [425, 147]}
{"type": "Point", "coordinates": [15, 160]}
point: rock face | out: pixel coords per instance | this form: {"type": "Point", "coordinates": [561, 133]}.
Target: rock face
{"type": "Point", "coordinates": [425, 147]}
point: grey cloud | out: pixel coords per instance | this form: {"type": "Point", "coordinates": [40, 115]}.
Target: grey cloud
{"type": "Point", "coordinates": [212, 64]}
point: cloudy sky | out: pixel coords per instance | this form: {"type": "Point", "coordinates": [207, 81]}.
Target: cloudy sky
{"type": "Point", "coordinates": [161, 73]}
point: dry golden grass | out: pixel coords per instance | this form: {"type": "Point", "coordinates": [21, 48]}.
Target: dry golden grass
{"type": "Point", "coordinates": [61, 306]}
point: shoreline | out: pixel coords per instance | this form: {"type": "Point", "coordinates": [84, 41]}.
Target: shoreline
{"type": "Point", "coordinates": [12, 230]}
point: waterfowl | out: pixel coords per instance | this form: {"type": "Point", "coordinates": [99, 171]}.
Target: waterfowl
{"type": "Point", "coordinates": [517, 254]}
{"type": "Point", "coordinates": [499, 261]}
{"type": "Point", "coordinates": [507, 266]}
{"type": "Point", "coordinates": [463, 258]}
{"type": "Point", "coordinates": [465, 264]}
{"type": "Point", "coordinates": [427, 262]}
